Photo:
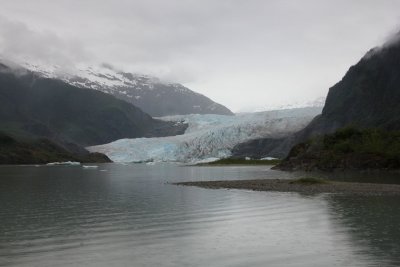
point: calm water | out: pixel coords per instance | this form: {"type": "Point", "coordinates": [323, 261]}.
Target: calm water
{"type": "Point", "coordinates": [127, 215]}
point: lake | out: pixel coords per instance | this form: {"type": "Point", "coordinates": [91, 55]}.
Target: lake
{"type": "Point", "coordinates": [128, 215]}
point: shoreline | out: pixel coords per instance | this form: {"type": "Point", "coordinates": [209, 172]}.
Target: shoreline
{"type": "Point", "coordinates": [289, 185]}
{"type": "Point", "coordinates": [240, 162]}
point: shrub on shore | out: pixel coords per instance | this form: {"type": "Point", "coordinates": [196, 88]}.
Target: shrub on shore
{"type": "Point", "coordinates": [347, 148]}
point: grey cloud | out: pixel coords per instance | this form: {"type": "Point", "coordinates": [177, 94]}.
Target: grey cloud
{"type": "Point", "coordinates": [275, 51]}
{"type": "Point", "coordinates": [392, 38]}
{"type": "Point", "coordinates": [19, 42]}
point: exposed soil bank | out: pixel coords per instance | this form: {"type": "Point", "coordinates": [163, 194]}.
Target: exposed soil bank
{"type": "Point", "coordinates": [278, 185]}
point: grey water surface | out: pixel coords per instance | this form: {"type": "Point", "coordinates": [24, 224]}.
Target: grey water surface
{"type": "Point", "coordinates": [129, 215]}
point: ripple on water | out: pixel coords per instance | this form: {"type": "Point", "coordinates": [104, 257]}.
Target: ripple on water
{"type": "Point", "coordinates": [128, 216]}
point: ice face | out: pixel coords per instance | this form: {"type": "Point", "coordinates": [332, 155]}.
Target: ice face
{"type": "Point", "coordinates": [208, 136]}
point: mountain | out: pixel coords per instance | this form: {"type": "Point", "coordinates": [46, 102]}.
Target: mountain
{"type": "Point", "coordinates": [33, 107]}
{"type": "Point", "coordinates": [368, 96]}
{"type": "Point", "coordinates": [208, 136]}
{"type": "Point", "coordinates": [150, 94]}
{"type": "Point", "coordinates": [359, 125]}
{"type": "Point", "coordinates": [41, 151]}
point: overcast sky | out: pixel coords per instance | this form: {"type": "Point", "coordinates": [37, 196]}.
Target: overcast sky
{"type": "Point", "coordinates": [247, 55]}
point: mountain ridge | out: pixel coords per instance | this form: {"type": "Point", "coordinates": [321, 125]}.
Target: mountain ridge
{"type": "Point", "coordinates": [149, 93]}
{"type": "Point", "coordinates": [367, 96]}
{"type": "Point", "coordinates": [34, 108]}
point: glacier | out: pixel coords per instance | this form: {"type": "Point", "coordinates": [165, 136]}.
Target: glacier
{"type": "Point", "coordinates": [208, 137]}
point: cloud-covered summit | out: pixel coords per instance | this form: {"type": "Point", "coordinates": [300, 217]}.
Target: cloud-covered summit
{"type": "Point", "coordinates": [241, 53]}
{"type": "Point", "coordinates": [19, 42]}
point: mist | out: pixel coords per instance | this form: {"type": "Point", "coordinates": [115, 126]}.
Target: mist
{"type": "Point", "coordinates": [246, 55]}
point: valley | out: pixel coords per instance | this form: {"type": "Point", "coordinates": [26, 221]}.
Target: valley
{"type": "Point", "coordinates": [199, 133]}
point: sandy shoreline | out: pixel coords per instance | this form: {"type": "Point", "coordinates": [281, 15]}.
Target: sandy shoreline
{"type": "Point", "coordinates": [283, 185]}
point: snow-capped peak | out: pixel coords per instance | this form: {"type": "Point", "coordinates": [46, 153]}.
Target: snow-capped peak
{"type": "Point", "coordinates": [101, 77]}
{"type": "Point", "coordinates": [156, 97]}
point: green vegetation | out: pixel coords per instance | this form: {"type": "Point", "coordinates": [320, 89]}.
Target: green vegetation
{"type": "Point", "coordinates": [369, 141]}
{"type": "Point", "coordinates": [309, 181]}
{"type": "Point", "coordinates": [347, 148]}
{"type": "Point", "coordinates": [234, 161]}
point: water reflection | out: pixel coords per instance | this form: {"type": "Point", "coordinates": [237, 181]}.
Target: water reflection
{"type": "Point", "coordinates": [367, 176]}
{"type": "Point", "coordinates": [128, 215]}
{"type": "Point", "coordinates": [372, 223]}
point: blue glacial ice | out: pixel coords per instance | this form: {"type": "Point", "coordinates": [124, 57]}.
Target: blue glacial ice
{"type": "Point", "coordinates": [208, 136]}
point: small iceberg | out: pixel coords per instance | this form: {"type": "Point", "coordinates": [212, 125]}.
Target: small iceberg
{"type": "Point", "coordinates": [65, 163]}
{"type": "Point", "coordinates": [90, 166]}
{"type": "Point", "coordinates": [269, 158]}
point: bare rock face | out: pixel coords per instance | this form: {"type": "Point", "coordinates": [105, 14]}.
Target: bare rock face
{"type": "Point", "coordinates": [368, 96]}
